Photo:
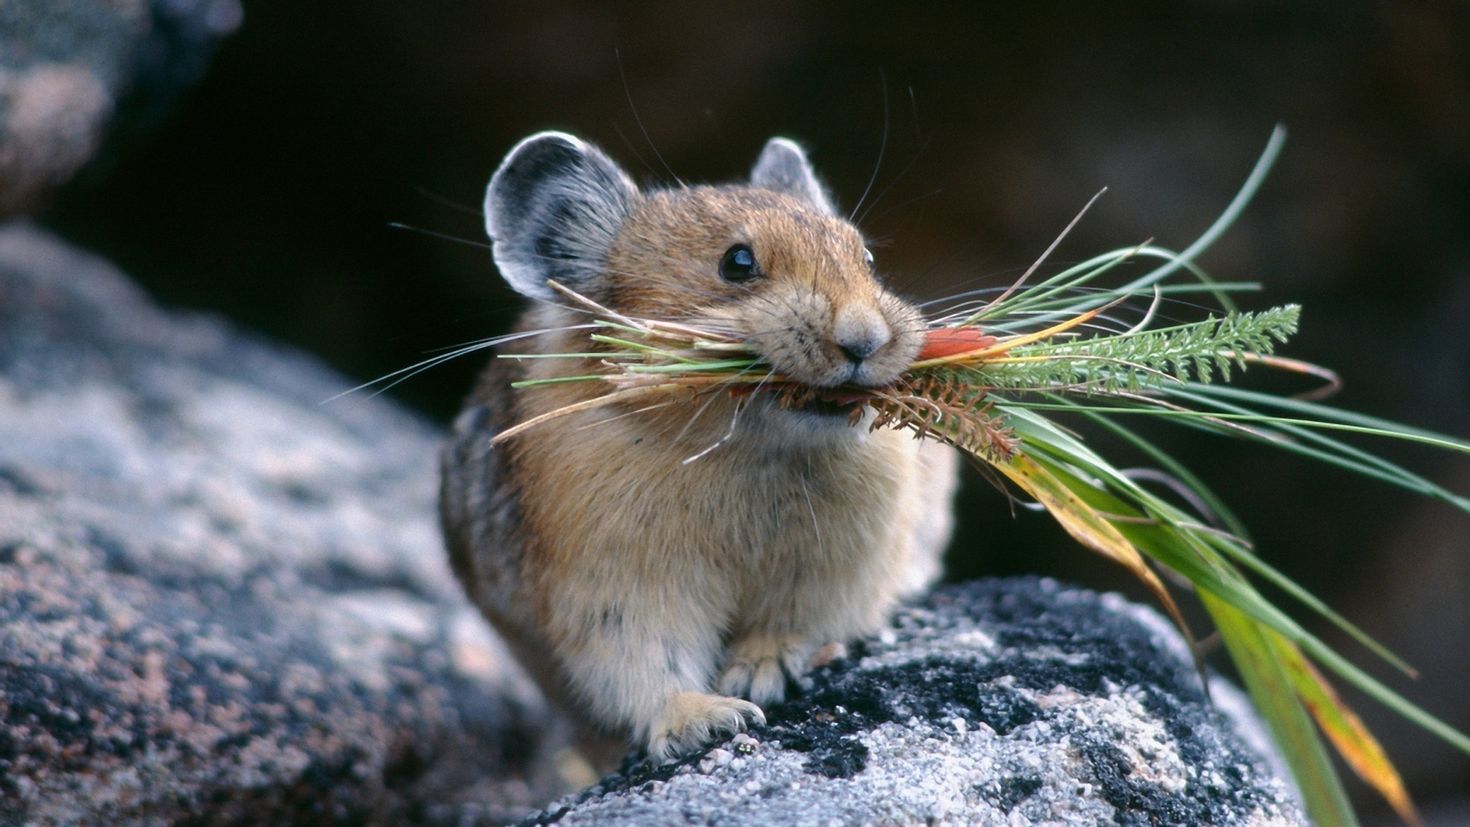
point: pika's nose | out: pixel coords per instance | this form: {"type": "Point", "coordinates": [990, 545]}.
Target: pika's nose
{"type": "Point", "coordinates": [859, 332]}
{"type": "Point", "coordinates": [856, 351]}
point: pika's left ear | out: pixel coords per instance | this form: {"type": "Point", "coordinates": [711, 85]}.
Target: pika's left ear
{"type": "Point", "coordinates": [783, 167]}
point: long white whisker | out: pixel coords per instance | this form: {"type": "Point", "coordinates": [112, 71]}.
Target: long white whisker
{"type": "Point", "coordinates": [645, 409]}
{"type": "Point", "coordinates": [404, 374]}
{"type": "Point", "coordinates": [811, 509]}
{"type": "Point", "coordinates": [729, 432]}
{"type": "Point", "coordinates": [695, 416]}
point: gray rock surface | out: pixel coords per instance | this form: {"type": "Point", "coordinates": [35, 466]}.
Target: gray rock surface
{"type": "Point", "coordinates": [1002, 702]}
{"type": "Point", "coordinates": [221, 600]}
{"type": "Point", "coordinates": [67, 67]}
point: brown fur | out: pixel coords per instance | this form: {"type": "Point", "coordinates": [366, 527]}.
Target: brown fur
{"type": "Point", "coordinates": [636, 585]}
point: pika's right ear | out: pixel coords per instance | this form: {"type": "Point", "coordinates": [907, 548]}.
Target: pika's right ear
{"type": "Point", "coordinates": [783, 167]}
{"type": "Point", "coordinates": [552, 211]}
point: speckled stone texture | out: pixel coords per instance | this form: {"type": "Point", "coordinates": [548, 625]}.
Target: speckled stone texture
{"type": "Point", "coordinates": [1005, 702]}
{"type": "Point", "coordinates": [222, 601]}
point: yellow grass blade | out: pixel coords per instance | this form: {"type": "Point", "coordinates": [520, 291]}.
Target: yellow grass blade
{"type": "Point", "coordinates": [1342, 726]}
{"type": "Point", "coordinates": [1271, 688]}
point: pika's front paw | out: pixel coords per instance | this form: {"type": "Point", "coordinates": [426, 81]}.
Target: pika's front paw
{"type": "Point", "coordinates": [762, 665]}
{"type": "Point", "coordinates": [693, 719]}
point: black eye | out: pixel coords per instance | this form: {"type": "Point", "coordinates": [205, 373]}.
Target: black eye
{"type": "Point", "coordinates": [868, 256]}
{"type": "Point", "coordinates": [738, 264]}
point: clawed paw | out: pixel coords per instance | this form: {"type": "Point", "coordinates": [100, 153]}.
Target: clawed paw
{"type": "Point", "coordinates": [693, 719]}
{"type": "Point", "coordinates": [761, 667]}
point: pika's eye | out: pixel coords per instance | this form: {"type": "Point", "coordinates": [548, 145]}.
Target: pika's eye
{"type": "Point", "coordinates": [738, 264]}
{"type": "Point", "coordinates": [868, 256]}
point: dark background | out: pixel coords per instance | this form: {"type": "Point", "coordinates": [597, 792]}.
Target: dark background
{"type": "Point", "coordinates": [267, 197]}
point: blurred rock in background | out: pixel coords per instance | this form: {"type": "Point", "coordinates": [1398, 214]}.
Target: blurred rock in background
{"type": "Point", "coordinates": [222, 602]}
{"type": "Point", "coordinates": [267, 195]}
{"type": "Point", "coordinates": [74, 73]}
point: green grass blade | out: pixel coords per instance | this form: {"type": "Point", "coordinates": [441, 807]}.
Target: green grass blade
{"type": "Point", "coordinates": [1241, 554]}
{"type": "Point", "coordinates": [702, 367]}
{"type": "Point", "coordinates": [1287, 434]}
{"type": "Point", "coordinates": [1193, 556]}
{"type": "Point", "coordinates": [1204, 545]}
{"type": "Point", "coordinates": [556, 380]}
{"type": "Point", "coordinates": [1096, 266]}
{"type": "Point", "coordinates": [1340, 453]}
{"type": "Point", "coordinates": [1291, 728]}
{"type": "Point", "coordinates": [1231, 212]}
{"type": "Point", "coordinates": [1170, 465]}
{"type": "Point", "coordinates": [1327, 413]}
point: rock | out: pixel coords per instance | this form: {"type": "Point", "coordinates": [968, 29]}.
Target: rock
{"type": "Point", "coordinates": [1005, 702]}
{"type": "Point", "coordinates": [68, 66]}
{"type": "Point", "coordinates": [222, 600]}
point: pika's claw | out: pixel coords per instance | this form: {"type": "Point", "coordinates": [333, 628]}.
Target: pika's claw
{"type": "Point", "coordinates": [693, 719]}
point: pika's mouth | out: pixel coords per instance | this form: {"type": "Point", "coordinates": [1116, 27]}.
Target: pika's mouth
{"type": "Point", "coordinates": [836, 403]}
{"type": "Point", "coordinates": [822, 407]}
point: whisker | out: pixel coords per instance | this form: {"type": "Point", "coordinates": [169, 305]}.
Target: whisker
{"type": "Point", "coordinates": [645, 409]}
{"type": "Point", "coordinates": [450, 203]}
{"type": "Point", "coordinates": [863, 216]}
{"type": "Point", "coordinates": [729, 432]}
{"type": "Point", "coordinates": [1149, 316]}
{"type": "Point", "coordinates": [455, 351]}
{"type": "Point", "coordinates": [811, 509]}
{"type": "Point", "coordinates": [882, 148]}
{"type": "Point", "coordinates": [907, 202]}
{"type": "Point", "coordinates": [628, 90]}
{"type": "Point", "coordinates": [696, 415]}
{"type": "Point", "coordinates": [398, 225]}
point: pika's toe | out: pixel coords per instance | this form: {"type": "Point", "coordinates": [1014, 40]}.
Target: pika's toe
{"type": "Point", "coordinates": [693, 719]}
{"type": "Point", "coordinates": [762, 667]}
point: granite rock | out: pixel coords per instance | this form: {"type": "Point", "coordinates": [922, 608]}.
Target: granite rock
{"type": "Point", "coordinates": [998, 702]}
{"type": "Point", "coordinates": [221, 600]}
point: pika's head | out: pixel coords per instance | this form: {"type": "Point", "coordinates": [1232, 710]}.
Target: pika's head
{"type": "Point", "coordinates": [768, 260]}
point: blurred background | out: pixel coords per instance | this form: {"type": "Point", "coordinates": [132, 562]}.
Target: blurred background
{"type": "Point", "coordinates": [267, 193]}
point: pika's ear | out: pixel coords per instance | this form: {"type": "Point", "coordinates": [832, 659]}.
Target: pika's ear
{"type": "Point", "coordinates": [783, 167]}
{"type": "Point", "coordinates": [552, 211]}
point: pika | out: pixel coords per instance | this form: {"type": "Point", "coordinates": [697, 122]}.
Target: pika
{"type": "Point", "coordinates": [657, 598]}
